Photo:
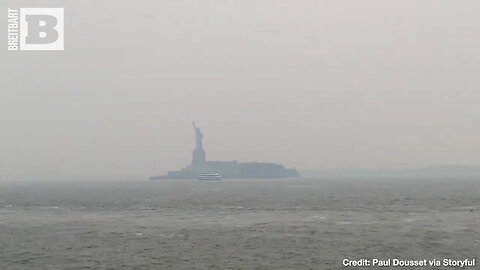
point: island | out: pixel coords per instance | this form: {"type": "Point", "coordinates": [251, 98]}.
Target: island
{"type": "Point", "coordinates": [227, 169]}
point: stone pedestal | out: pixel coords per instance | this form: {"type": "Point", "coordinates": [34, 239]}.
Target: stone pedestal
{"type": "Point", "coordinates": [198, 157]}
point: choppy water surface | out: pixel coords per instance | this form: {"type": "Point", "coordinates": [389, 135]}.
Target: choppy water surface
{"type": "Point", "coordinates": [235, 224]}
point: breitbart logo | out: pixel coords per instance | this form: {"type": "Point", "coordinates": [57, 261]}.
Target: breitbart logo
{"type": "Point", "coordinates": [35, 29]}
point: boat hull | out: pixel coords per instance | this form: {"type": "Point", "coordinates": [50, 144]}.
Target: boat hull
{"type": "Point", "coordinates": [209, 176]}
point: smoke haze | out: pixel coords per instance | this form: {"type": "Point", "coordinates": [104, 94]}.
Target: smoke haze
{"type": "Point", "coordinates": [308, 84]}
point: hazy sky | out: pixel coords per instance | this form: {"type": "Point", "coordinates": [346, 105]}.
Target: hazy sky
{"type": "Point", "coordinates": [308, 84]}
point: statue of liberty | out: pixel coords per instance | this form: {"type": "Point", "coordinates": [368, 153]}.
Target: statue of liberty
{"type": "Point", "coordinates": [198, 153]}
{"type": "Point", "coordinates": [198, 137]}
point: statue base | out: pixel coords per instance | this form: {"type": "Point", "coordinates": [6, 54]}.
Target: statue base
{"type": "Point", "coordinates": [198, 157]}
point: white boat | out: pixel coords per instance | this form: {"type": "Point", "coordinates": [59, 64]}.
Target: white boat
{"type": "Point", "coordinates": [209, 176]}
